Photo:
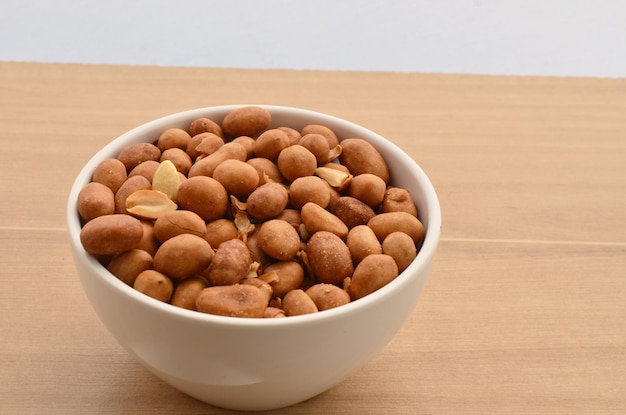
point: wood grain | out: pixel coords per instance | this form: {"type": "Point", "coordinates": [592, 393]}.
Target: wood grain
{"type": "Point", "coordinates": [525, 309]}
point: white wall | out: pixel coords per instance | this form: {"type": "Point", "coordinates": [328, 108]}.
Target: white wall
{"type": "Point", "coordinates": [525, 37]}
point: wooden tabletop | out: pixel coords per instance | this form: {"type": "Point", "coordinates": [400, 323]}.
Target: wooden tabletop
{"type": "Point", "coordinates": [525, 308]}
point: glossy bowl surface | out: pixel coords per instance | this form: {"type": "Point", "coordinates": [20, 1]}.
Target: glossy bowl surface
{"type": "Point", "coordinates": [257, 364]}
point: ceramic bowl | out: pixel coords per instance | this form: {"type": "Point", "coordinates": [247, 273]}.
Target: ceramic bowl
{"type": "Point", "coordinates": [257, 364]}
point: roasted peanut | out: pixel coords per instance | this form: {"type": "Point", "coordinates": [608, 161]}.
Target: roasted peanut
{"type": "Point", "coordinates": [178, 222]}
{"type": "Point", "coordinates": [149, 204]}
{"type": "Point", "coordinates": [155, 285]}
{"type": "Point", "coordinates": [293, 134]}
{"type": "Point", "coordinates": [182, 256]}
{"type": "Point", "coordinates": [110, 172]}
{"type": "Point", "coordinates": [204, 196]}
{"type": "Point", "coordinates": [296, 161]}
{"type": "Point", "coordinates": [206, 165]}
{"type": "Point", "coordinates": [397, 199]}
{"type": "Point", "coordinates": [266, 168]}
{"type": "Point", "coordinates": [230, 264]}
{"type": "Point", "coordinates": [267, 201]}
{"type": "Point", "coordinates": [238, 177]}
{"type": "Point", "coordinates": [135, 154]}
{"type": "Point", "coordinates": [323, 130]}
{"type": "Point", "coordinates": [205, 125]}
{"type": "Point", "coordinates": [149, 241]}
{"type": "Point", "coordinates": [309, 189]}
{"type": "Point", "coordinates": [329, 258]}
{"type": "Point", "coordinates": [248, 121]}
{"type": "Point", "coordinates": [270, 143]}
{"type": "Point", "coordinates": [130, 186]}
{"type": "Point", "coordinates": [362, 242]}
{"type": "Point", "coordinates": [173, 138]}
{"type": "Point", "coordinates": [247, 143]}
{"type": "Point", "coordinates": [95, 199]}
{"type": "Point", "coordinates": [316, 218]}
{"type": "Point", "coordinates": [297, 302]}
{"type": "Point", "coordinates": [327, 296]}
{"type": "Point", "coordinates": [290, 276]}
{"type": "Point", "coordinates": [318, 145]}
{"type": "Point", "coordinates": [145, 169]}
{"type": "Point", "coordinates": [368, 188]}
{"type": "Point", "coordinates": [204, 144]}
{"type": "Point", "coordinates": [386, 223]}
{"type": "Point", "coordinates": [373, 273]}
{"type": "Point", "coordinates": [129, 264]}
{"type": "Point", "coordinates": [179, 158]}
{"type": "Point", "coordinates": [279, 239]}
{"type": "Point", "coordinates": [187, 291]}
{"type": "Point", "coordinates": [111, 234]}
{"type": "Point", "coordinates": [220, 230]}
{"type": "Point", "coordinates": [359, 156]}
{"type": "Point", "coordinates": [352, 211]}
{"type": "Point", "coordinates": [401, 248]}
{"type": "Point", "coordinates": [239, 300]}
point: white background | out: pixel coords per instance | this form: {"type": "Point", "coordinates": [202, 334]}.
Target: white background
{"type": "Point", "coordinates": [519, 37]}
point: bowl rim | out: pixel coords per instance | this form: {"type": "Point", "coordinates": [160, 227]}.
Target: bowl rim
{"type": "Point", "coordinates": [423, 259]}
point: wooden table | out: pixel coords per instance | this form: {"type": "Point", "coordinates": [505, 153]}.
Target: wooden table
{"type": "Point", "coordinates": [525, 309]}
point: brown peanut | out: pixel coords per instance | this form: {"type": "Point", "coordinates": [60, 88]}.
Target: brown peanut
{"type": "Point", "coordinates": [297, 302]}
{"type": "Point", "coordinates": [129, 264]}
{"type": "Point", "coordinates": [230, 264]}
{"type": "Point", "coordinates": [135, 154]}
{"type": "Point", "coordinates": [329, 258]}
{"type": "Point", "coordinates": [238, 177]}
{"type": "Point", "coordinates": [373, 273]}
{"type": "Point", "coordinates": [111, 234]}
{"type": "Point", "coordinates": [309, 189]}
{"type": "Point", "coordinates": [205, 125]}
{"type": "Point", "coordinates": [145, 169]}
{"type": "Point", "coordinates": [397, 199]}
{"type": "Point", "coordinates": [278, 239]}
{"type": "Point", "coordinates": [130, 186]}
{"type": "Point", "coordinates": [368, 188]}
{"type": "Point", "coordinates": [359, 156]}
{"type": "Point", "coordinates": [95, 199]}
{"type": "Point", "coordinates": [178, 222]}
{"type": "Point", "coordinates": [322, 130]}
{"type": "Point", "coordinates": [267, 201]}
{"type": "Point", "coordinates": [220, 230]}
{"type": "Point", "coordinates": [327, 296]}
{"type": "Point", "coordinates": [318, 145]}
{"type": "Point", "coordinates": [352, 211]}
{"type": "Point", "coordinates": [239, 300]}
{"type": "Point", "coordinates": [362, 242]}
{"type": "Point", "coordinates": [110, 172]}
{"type": "Point", "coordinates": [155, 285]}
{"type": "Point", "coordinates": [386, 223]}
{"type": "Point", "coordinates": [401, 248]}
{"type": "Point", "coordinates": [182, 256]}
{"type": "Point", "coordinates": [270, 144]}
{"type": "Point", "coordinates": [206, 166]}
{"type": "Point", "coordinates": [248, 121]}
{"type": "Point", "coordinates": [290, 276]}
{"type": "Point", "coordinates": [187, 291]}
{"type": "Point", "coordinates": [315, 218]}
{"type": "Point", "coordinates": [204, 196]}
{"type": "Point", "coordinates": [296, 161]}
{"type": "Point", "coordinates": [173, 138]}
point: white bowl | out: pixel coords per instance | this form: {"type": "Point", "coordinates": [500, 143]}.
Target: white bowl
{"type": "Point", "coordinates": [257, 364]}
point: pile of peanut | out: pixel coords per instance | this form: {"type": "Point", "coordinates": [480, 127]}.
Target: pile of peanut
{"type": "Point", "coordinates": [241, 220]}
